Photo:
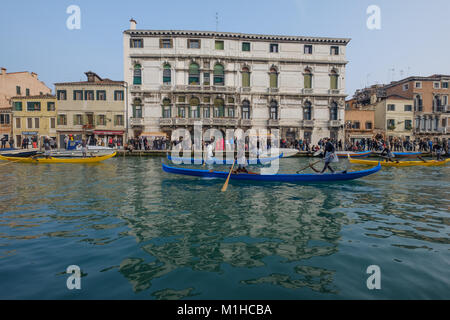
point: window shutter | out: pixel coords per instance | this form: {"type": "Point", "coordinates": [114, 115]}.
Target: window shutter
{"type": "Point", "coordinates": [273, 80]}
{"type": "Point", "coordinates": [246, 79]}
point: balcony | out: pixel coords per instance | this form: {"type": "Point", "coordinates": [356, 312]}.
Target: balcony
{"type": "Point", "coordinates": [137, 122]}
{"type": "Point", "coordinates": [166, 87]}
{"type": "Point", "coordinates": [165, 121]}
{"type": "Point", "coordinates": [135, 88]}
{"type": "Point", "coordinates": [308, 123]}
{"type": "Point", "coordinates": [207, 88]}
{"type": "Point", "coordinates": [335, 123]}
{"type": "Point", "coordinates": [307, 91]}
{"type": "Point", "coordinates": [273, 123]}
{"type": "Point", "coordinates": [232, 122]}
{"type": "Point", "coordinates": [246, 122]}
{"type": "Point", "coordinates": [273, 90]}
{"type": "Point", "coordinates": [334, 91]}
{"type": "Point", "coordinates": [246, 90]}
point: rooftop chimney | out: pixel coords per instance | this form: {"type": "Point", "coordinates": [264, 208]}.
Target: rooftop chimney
{"type": "Point", "coordinates": [34, 75]}
{"type": "Point", "coordinates": [3, 70]}
{"type": "Point", "coordinates": [133, 24]}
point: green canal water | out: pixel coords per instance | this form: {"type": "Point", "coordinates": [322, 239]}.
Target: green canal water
{"type": "Point", "coordinates": [139, 233]}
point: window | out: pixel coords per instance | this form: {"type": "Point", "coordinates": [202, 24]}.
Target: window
{"type": "Point", "coordinates": [27, 92]}
{"type": "Point", "coordinates": [4, 118]}
{"type": "Point", "coordinates": [391, 107]}
{"type": "Point", "coordinates": [118, 95]}
{"type": "Point", "coordinates": [118, 120]}
{"type": "Point", "coordinates": [273, 78]}
{"type": "Point", "coordinates": [206, 99]}
{"type": "Point", "coordinates": [18, 106]}
{"type": "Point", "coordinates": [245, 109]}
{"type": "Point", "coordinates": [51, 106]}
{"type": "Point", "coordinates": [194, 74]}
{"type": "Point", "coordinates": [101, 95]}
{"type": "Point", "coordinates": [273, 47]}
{"type": "Point", "coordinates": [52, 123]}
{"type": "Point", "coordinates": [307, 79]}
{"type": "Point", "coordinates": [18, 123]}
{"type": "Point", "coordinates": [245, 46]}
{"type": "Point", "coordinates": [219, 45]}
{"type": "Point", "coordinates": [334, 80]}
{"type": "Point", "coordinates": [408, 107]}
{"type": "Point", "coordinates": [61, 94]}
{"type": "Point", "coordinates": [437, 85]}
{"type": "Point", "coordinates": [89, 95]}
{"type": "Point", "coordinates": [78, 95]}
{"type": "Point", "coordinates": [230, 100]}
{"type": "Point", "coordinates": [166, 108]}
{"type": "Point", "coordinates": [181, 112]}
{"type": "Point", "coordinates": [368, 125]}
{"type": "Point", "coordinates": [444, 85]}
{"type": "Point", "coordinates": [405, 87]}
{"type": "Point", "coordinates": [444, 100]}
{"type": "Point", "coordinates": [307, 111]}
{"type": "Point", "coordinates": [33, 106]}
{"type": "Point", "coordinates": [206, 112]}
{"type": "Point", "coordinates": [166, 43]}
{"type": "Point", "coordinates": [206, 79]}
{"type": "Point", "coordinates": [334, 50]}
{"type": "Point", "coordinates": [36, 123]}
{"type": "Point", "coordinates": [194, 107]}
{"type": "Point", "coordinates": [219, 110]}
{"type": "Point", "coordinates": [77, 119]}
{"type": "Point", "coordinates": [167, 76]}
{"type": "Point", "coordinates": [273, 110]}
{"type": "Point", "coordinates": [334, 111]}
{"type": "Point", "coordinates": [193, 43]}
{"type": "Point", "coordinates": [137, 108]}
{"type": "Point", "coordinates": [136, 43]}
{"type": "Point", "coordinates": [408, 124]}
{"type": "Point", "coordinates": [29, 123]}
{"type": "Point", "coordinates": [231, 112]}
{"type": "Point", "coordinates": [181, 99]}
{"type": "Point", "coordinates": [62, 120]}
{"type": "Point", "coordinates": [137, 74]}
{"type": "Point", "coordinates": [18, 90]}
{"type": "Point", "coordinates": [308, 49]}
{"type": "Point", "coordinates": [245, 77]}
{"type": "Point", "coordinates": [219, 75]}
{"type": "Point", "coordinates": [101, 120]}
{"type": "Point", "coordinates": [418, 84]}
{"type": "Point", "coordinates": [418, 103]}
{"type": "Point", "coordinates": [356, 125]}
{"type": "Point", "coordinates": [391, 124]}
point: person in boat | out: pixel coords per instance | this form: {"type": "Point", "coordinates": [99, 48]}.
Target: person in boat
{"type": "Point", "coordinates": [387, 154]}
{"type": "Point", "coordinates": [329, 155]}
{"type": "Point", "coordinates": [439, 152]}
{"type": "Point", "coordinates": [47, 148]}
{"type": "Point", "coordinates": [84, 147]}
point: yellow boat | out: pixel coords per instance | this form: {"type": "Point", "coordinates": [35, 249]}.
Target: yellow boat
{"type": "Point", "coordinates": [58, 160]}
{"type": "Point", "coordinates": [428, 163]}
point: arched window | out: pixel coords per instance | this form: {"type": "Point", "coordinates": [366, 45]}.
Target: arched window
{"type": "Point", "coordinates": [166, 108]}
{"type": "Point", "coordinates": [273, 76]}
{"type": "Point", "coordinates": [245, 77]}
{"type": "Point", "coordinates": [219, 75]}
{"type": "Point", "coordinates": [245, 109]}
{"type": "Point", "coordinates": [334, 111]}
{"type": "Point", "coordinates": [219, 109]}
{"type": "Point", "coordinates": [307, 111]}
{"type": "Point", "coordinates": [194, 107]}
{"type": "Point", "coordinates": [194, 74]}
{"type": "Point", "coordinates": [307, 77]}
{"type": "Point", "coordinates": [333, 80]}
{"type": "Point", "coordinates": [273, 110]}
{"type": "Point", "coordinates": [437, 103]}
{"type": "Point", "coordinates": [137, 74]}
{"type": "Point", "coordinates": [418, 103]}
{"type": "Point", "coordinates": [167, 77]}
{"type": "Point", "coordinates": [137, 108]}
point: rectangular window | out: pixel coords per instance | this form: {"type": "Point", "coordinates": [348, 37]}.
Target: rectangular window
{"type": "Point", "coordinates": [408, 107]}
{"type": "Point", "coordinates": [18, 106]}
{"type": "Point", "coordinates": [166, 43]}
{"type": "Point", "coordinates": [181, 99]}
{"type": "Point", "coordinates": [308, 49]}
{"type": "Point", "coordinates": [356, 125]}
{"type": "Point", "coordinates": [273, 47]}
{"type": "Point", "coordinates": [444, 100]}
{"type": "Point", "coordinates": [36, 123]}
{"type": "Point", "coordinates": [27, 92]}
{"type": "Point", "coordinates": [118, 120]}
{"type": "Point", "coordinates": [62, 120]}
{"type": "Point", "coordinates": [219, 45]}
{"type": "Point", "coordinates": [437, 85]}
{"type": "Point", "coordinates": [245, 46]}
{"type": "Point", "coordinates": [444, 85]}
{"type": "Point", "coordinates": [368, 125]}
{"type": "Point", "coordinates": [61, 94]}
{"type": "Point", "coordinates": [206, 113]}
{"type": "Point", "coordinates": [418, 84]}
{"type": "Point", "coordinates": [18, 123]}
{"type": "Point", "coordinates": [118, 95]}
{"type": "Point", "coordinates": [181, 112]}
{"type": "Point", "coordinates": [52, 123]}
{"type": "Point", "coordinates": [408, 124]}
{"type": "Point", "coordinates": [89, 95]}
{"type": "Point", "coordinates": [195, 112]}
{"type": "Point", "coordinates": [136, 43]}
{"type": "Point", "coordinates": [391, 124]}
{"type": "Point", "coordinates": [101, 95]}
{"type": "Point", "coordinates": [33, 106]}
{"type": "Point", "coordinates": [391, 107]}
{"type": "Point", "coordinates": [77, 119]}
{"type": "Point", "coordinates": [166, 112]}
{"type": "Point", "coordinates": [334, 50]}
{"type": "Point", "coordinates": [231, 112]}
{"type": "Point", "coordinates": [77, 94]}
{"type": "Point", "coordinates": [29, 123]}
{"type": "Point", "coordinates": [51, 106]}
{"type": "Point", "coordinates": [101, 120]}
{"type": "Point", "coordinates": [206, 79]}
{"type": "Point", "coordinates": [18, 90]}
{"type": "Point", "coordinates": [193, 43]}
{"type": "Point", "coordinates": [405, 87]}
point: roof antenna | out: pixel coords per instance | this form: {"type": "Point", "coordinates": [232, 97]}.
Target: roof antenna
{"type": "Point", "coordinates": [217, 21]}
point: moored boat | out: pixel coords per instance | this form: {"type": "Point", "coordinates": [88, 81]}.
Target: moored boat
{"type": "Point", "coordinates": [261, 160]}
{"type": "Point", "coordinates": [397, 163]}
{"type": "Point", "coordinates": [358, 154]}
{"type": "Point", "coordinates": [400, 154]}
{"type": "Point", "coordinates": [35, 159]}
{"type": "Point", "coordinates": [307, 177]}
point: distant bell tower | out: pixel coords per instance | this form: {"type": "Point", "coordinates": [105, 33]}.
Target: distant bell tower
{"type": "Point", "coordinates": [133, 24]}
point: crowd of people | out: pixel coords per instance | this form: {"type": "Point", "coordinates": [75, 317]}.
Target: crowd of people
{"type": "Point", "coordinates": [144, 143]}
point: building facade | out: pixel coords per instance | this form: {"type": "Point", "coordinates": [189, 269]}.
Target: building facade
{"type": "Point", "coordinates": [431, 103]}
{"type": "Point", "coordinates": [34, 117]}
{"type": "Point", "coordinates": [359, 121]}
{"type": "Point", "coordinates": [232, 80]}
{"type": "Point", "coordinates": [93, 110]}
{"type": "Point", "coordinates": [16, 84]}
{"type": "Point", "coordinates": [394, 117]}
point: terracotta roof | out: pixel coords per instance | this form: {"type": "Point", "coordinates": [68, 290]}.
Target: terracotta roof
{"type": "Point", "coordinates": [434, 77]}
{"type": "Point", "coordinates": [96, 83]}
{"type": "Point", "coordinates": [398, 97]}
{"type": "Point", "coordinates": [41, 96]}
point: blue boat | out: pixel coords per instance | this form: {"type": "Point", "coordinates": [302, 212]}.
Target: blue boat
{"type": "Point", "coordinates": [406, 154]}
{"type": "Point", "coordinates": [308, 177]}
{"type": "Point", "coordinates": [221, 161]}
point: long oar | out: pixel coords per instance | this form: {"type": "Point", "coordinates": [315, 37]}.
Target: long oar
{"type": "Point", "coordinates": [308, 166]}
{"type": "Point", "coordinates": [225, 186]}
{"type": "Point", "coordinates": [422, 159]}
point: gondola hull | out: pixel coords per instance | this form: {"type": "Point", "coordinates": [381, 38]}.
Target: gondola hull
{"type": "Point", "coordinates": [58, 160]}
{"type": "Point", "coordinates": [428, 163]}
{"type": "Point", "coordinates": [180, 160]}
{"type": "Point", "coordinates": [327, 177]}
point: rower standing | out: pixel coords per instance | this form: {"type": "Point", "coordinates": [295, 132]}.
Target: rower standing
{"type": "Point", "coordinates": [329, 155]}
{"type": "Point", "coordinates": [47, 148]}
{"type": "Point", "coordinates": [84, 148]}
{"type": "Point", "coordinates": [389, 154]}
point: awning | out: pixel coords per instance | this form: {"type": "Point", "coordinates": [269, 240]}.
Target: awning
{"type": "Point", "coordinates": [154, 134]}
{"type": "Point", "coordinates": [361, 136]}
{"type": "Point", "coordinates": [108, 132]}
{"type": "Point", "coordinates": [29, 133]}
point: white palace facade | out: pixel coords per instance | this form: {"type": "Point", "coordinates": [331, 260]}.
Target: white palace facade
{"type": "Point", "coordinates": [233, 80]}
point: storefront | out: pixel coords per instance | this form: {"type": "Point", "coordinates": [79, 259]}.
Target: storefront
{"type": "Point", "coordinates": [32, 139]}
{"type": "Point", "coordinates": [104, 137]}
{"type": "Point", "coordinates": [70, 135]}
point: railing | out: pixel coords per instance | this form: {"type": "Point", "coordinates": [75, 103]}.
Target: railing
{"type": "Point", "coordinates": [135, 87]}
{"type": "Point", "coordinates": [246, 122]}
{"type": "Point", "coordinates": [273, 90]}
{"type": "Point", "coordinates": [192, 87]}
{"type": "Point", "coordinates": [165, 121]}
{"type": "Point", "coordinates": [334, 91]}
{"type": "Point", "coordinates": [307, 90]}
{"type": "Point", "coordinates": [335, 123]}
{"type": "Point", "coordinates": [308, 123]}
{"type": "Point", "coordinates": [273, 123]}
{"type": "Point", "coordinates": [246, 89]}
{"type": "Point", "coordinates": [88, 126]}
{"type": "Point", "coordinates": [166, 87]}
{"type": "Point", "coordinates": [137, 122]}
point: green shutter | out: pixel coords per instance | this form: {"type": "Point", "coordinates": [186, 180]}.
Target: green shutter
{"type": "Point", "coordinates": [75, 119]}
{"type": "Point", "coordinates": [273, 80]}
{"type": "Point", "coordinates": [219, 45]}
{"type": "Point", "coordinates": [308, 82]}
{"type": "Point", "coordinates": [334, 82]}
{"type": "Point", "coordinates": [246, 79]}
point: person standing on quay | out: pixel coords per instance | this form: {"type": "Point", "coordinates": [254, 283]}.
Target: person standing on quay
{"type": "Point", "coordinates": [84, 148]}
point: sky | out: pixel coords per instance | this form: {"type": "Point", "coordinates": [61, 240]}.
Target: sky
{"type": "Point", "coordinates": [413, 39]}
